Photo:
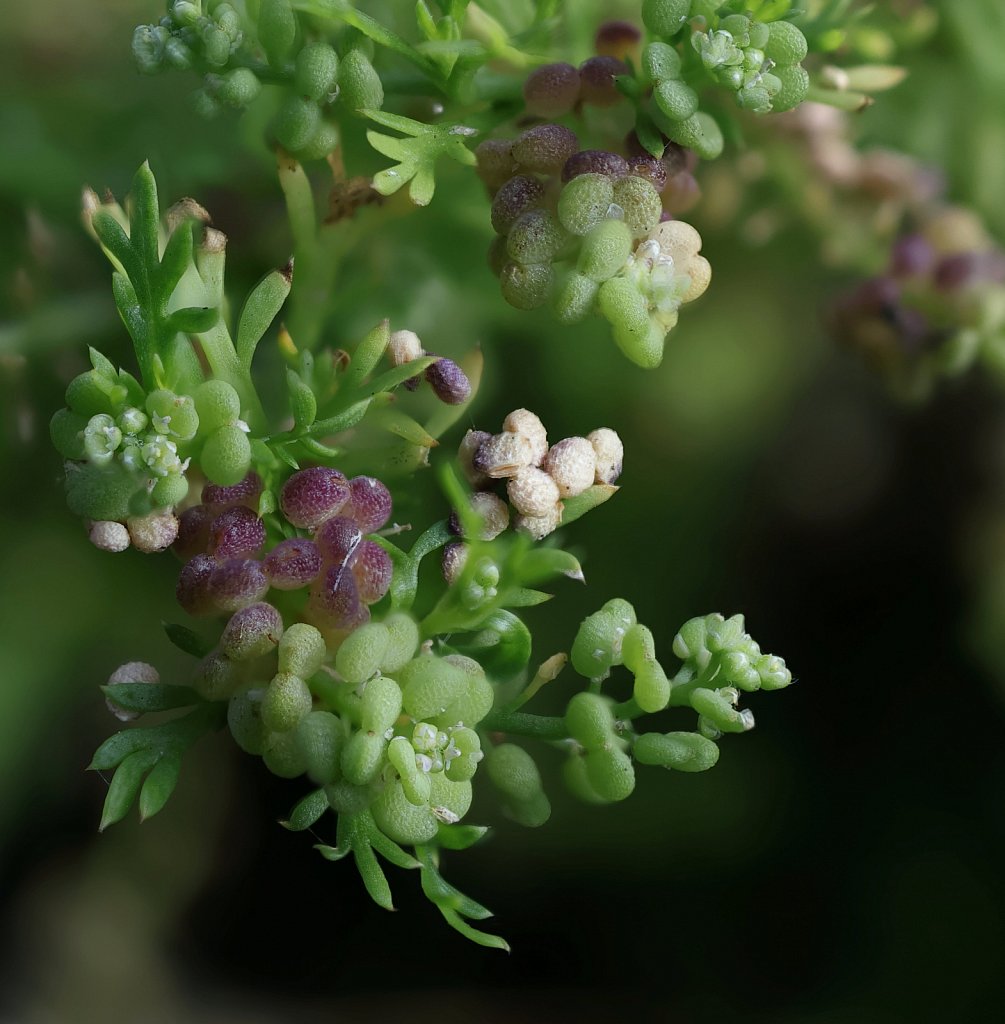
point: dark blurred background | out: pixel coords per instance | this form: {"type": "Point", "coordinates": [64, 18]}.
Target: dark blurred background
{"type": "Point", "coordinates": [841, 863]}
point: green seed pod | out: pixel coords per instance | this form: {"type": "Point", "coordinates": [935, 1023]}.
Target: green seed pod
{"type": "Point", "coordinates": [576, 778]}
{"type": "Point", "coordinates": [652, 688]}
{"type": "Point", "coordinates": [217, 404]}
{"type": "Point", "coordinates": [665, 17]}
{"type": "Point", "coordinates": [401, 820]}
{"type": "Point", "coordinates": [414, 783]}
{"type": "Point", "coordinates": [148, 47]}
{"type": "Point", "coordinates": [431, 685]}
{"type": "Point", "coordinates": [471, 707]}
{"type": "Point", "coordinates": [169, 491]}
{"type": "Point", "coordinates": [699, 132]}
{"type": "Point", "coordinates": [605, 250]}
{"type": "Point", "coordinates": [285, 703]}
{"type": "Point", "coordinates": [362, 757]}
{"type": "Point", "coordinates": [532, 813]}
{"type": "Point", "coordinates": [716, 708]}
{"type": "Point", "coordinates": [641, 343]}
{"type": "Point", "coordinates": [638, 647]}
{"type": "Point", "coordinates": [244, 718]}
{"type": "Point", "coordinates": [282, 755]}
{"type": "Point", "coordinates": [641, 203]}
{"type": "Point", "coordinates": [239, 88]}
{"type": "Point", "coordinates": [589, 720]}
{"type": "Point", "coordinates": [317, 71]}
{"type": "Point", "coordinates": [772, 671]}
{"type": "Point", "coordinates": [325, 140]}
{"type": "Point", "coordinates": [101, 493]}
{"type": "Point", "coordinates": [677, 100]}
{"type": "Point", "coordinates": [738, 670]}
{"type": "Point", "coordinates": [610, 773]}
{"type": "Point", "coordinates": [513, 772]}
{"type": "Point", "coordinates": [381, 704]}
{"type": "Point", "coordinates": [786, 44]}
{"type": "Point", "coordinates": [320, 738]}
{"type": "Point", "coordinates": [660, 62]}
{"type": "Point", "coordinates": [584, 201]}
{"type": "Point", "coordinates": [360, 87]}
{"type": "Point", "coordinates": [466, 748]}
{"type": "Point", "coordinates": [226, 455]}
{"type": "Point", "coordinates": [252, 632]}
{"type": "Point", "coordinates": [302, 650]}
{"type": "Point", "coordinates": [682, 751]}
{"type": "Point", "coordinates": [795, 85]}
{"type": "Point", "coordinates": [345, 798]}
{"type": "Point", "coordinates": [297, 122]}
{"type": "Point", "coordinates": [690, 643]}
{"type": "Point", "coordinates": [575, 298]}
{"type": "Point", "coordinates": [526, 287]}
{"type": "Point", "coordinates": [402, 641]}
{"type": "Point", "coordinates": [755, 98]}
{"type": "Point", "coordinates": [66, 430]}
{"type": "Point", "coordinates": [215, 46]}
{"type": "Point", "coordinates": [536, 237]}
{"type": "Point", "coordinates": [454, 798]}
{"type": "Point", "coordinates": [89, 394]}
{"type": "Point", "coordinates": [362, 652]}
{"type": "Point", "coordinates": [597, 646]}
{"type": "Point", "coordinates": [277, 29]}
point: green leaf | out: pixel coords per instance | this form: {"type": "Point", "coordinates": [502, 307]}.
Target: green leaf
{"type": "Point", "coordinates": [343, 420]}
{"type": "Point", "coordinates": [159, 785]}
{"type": "Point", "coordinates": [176, 260]}
{"type": "Point", "coordinates": [501, 645]}
{"type": "Point", "coordinates": [192, 319]}
{"type": "Point", "coordinates": [144, 219]}
{"type": "Point", "coordinates": [541, 564]}
{"type": "Point", "coordinates": [460, 837]}
{"type": "Point", "coordinates": [116, 244]}
{"type": "Point", "coordinates": [124, 786]}
{"type": "Point", "coordinates": [399, 374]}
{"type": "Point", "coordinates": [367, 355]}
{"type": "Point", "coordinates": [522, 597]}
{"type": "Point", "coordinates": [391, 851]}
{"type": "Point", "coordinates": [303, 402]}
{"type": "Point", "coordinates": [260, 308]}
{"type": "Point", "coordinates": [333, 853]}
{"type": "Point", "coordinates": [187, 640]}
{"type": "Point", "coordinates": [307, 811]}
{"type": "Point", "coordinates": [150, 696]}
{"type": "Point", "coordinates": [386, 145]}
{"type": "Point", "coordinates": [589, 499]}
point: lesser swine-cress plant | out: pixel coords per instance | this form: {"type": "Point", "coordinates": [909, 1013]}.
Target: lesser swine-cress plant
{"type": "Point", "coordinates": [326, 653]}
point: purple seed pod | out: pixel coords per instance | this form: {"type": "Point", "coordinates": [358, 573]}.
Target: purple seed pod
{"type": "Point", "coordinates": [237, 583]}
{"type": "Point", "coordinates": [681, 193]}
{"type": "Point", "coordinates": [495, 162]}
{"type": "Point", "coordinates": [334, 601]}
{"type": "Point", "coordinates": [911, 255]}
{"type": "Point", "coordinates": [596, 77]}
{"type": "Point", "coordinates": [313, 495]}
{"type": "Point", "coordinates": [448, 381]}
{"type": "Point", "coordinates": [244, 493]}
{"type": "Point", "coordinates": [192, 590]}
{"type": "Point", "coordinates": [235, 533]}
{"type": "Point", "coordinates": [338, 540]}
{"type": "Point", "coordinates": [617, 39]}
{"type": "Point", "coordinates": [369, 503]}
{"type": "Point", "coordinates": [676, 159]}
{"type": "Point", "coordinates": [649, 168]}
{"type": "Point", "coordinates": [551, 90]}
{"type": "Point", "coordinates": [193, 531]}
{"type": "Point", "coordinates": [516, 196]}
{"type": "Point", "coordinates": [959, 271]}
{"type": "Point", "coordinates": [595, 161]}
{"type": "Point", "coordinates": [293, 563]}
{"type": "Point", "coordinates": [545, 148]}
{"type": "Point", "coordinates": [372, 568]}
{"type": "Point", "coordinates": [252, 632]}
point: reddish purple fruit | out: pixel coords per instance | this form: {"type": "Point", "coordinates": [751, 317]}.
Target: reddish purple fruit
{"type": "Point", "coordinates": [334, 600]}
{"type": "Point", "coordinates": [192, 590]}
{"type": "Point", "coordinates": [369, 503]}
{"type": "Point", "coordinates": [545, 149]}
{"type": "Point", "coordinates": [372, 569]}
{"type": "Point", "coordinates": [517, 196]}
{"type": "Point", "coordinates": [237, 583]}
{"type": "Point", "coordinates": [449, 382]}
{"type": "Point", "coordinates": [235, 533]}
{"type": "Point", "coordinates": [193, 531]}
{"type": "Point", "coordinates": [244, 493]}
{"type": "Point", "coordinates": [293, 563]}
{"type": "Point", "coordinates": [596, 76]}
{"type": "Point", "coordinates": [651, 169]}
{"type": "Point", "coordinates": [338, 539]}
{"type": "Point", "coordinates": [313, 495]}
{"type": "Point", "coordinates": [252, 632]}
{"type": "Point", "coordinates": [617, 39]}
{"type": "Point", "coordinates": [551, 90]}
{"type": "Point", "coordinates": [595, 161]}
{"type": "Point", "coordinates": [495, 162]}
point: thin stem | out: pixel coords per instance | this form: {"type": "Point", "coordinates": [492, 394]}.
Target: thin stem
{"type": "Point", "coordinates": [521, 723]}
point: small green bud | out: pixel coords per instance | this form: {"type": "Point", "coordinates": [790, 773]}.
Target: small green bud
{"type": "Point", "coordinates": [597, 645]}
{"type": "Point", "coordinates": [589, 720]}
{"type": "Point", "coordinates": [317, 71]}
{"type": "Point", "coordinates": [718, 709]}
{"type": "Point", "coordinates": [610, 773]}
{"type": "Point", "coordinates": [381, 704]}
{"type": "Point", "coordinates": [772, 671]}
{"type": "Point", "coordinates": [362, 652]}
{"type": "Point", "coordinates": [277, 29]}
{"type": "Point", "coordinates": [239, 87]}
{"type": "Point", "coordinates": [89, 394]}
{"type": "Point", "coordinates": [576, 296]}
{"type": "Point", "coordinates": [676, 99]}
{"type": "Point", "coordinates": [282, 755]}
{"type": "Point", "coordinates": [285, 703]}
{"type": "Point", "coordinates": [690, 643]}
{"type": "Point", "coordinates": [244, 717]}
{"type": "Point", "coordinates": [226, 456]}
{"type": "Point", "coordinates": [101, 438]}
{"type": "Point", "coordinates": [66, 430]}
{"type": "Point", "coordinates": [217, 404]}
{"type": "Point", "coordinates": [173, 415]}
{"type": "Point", "coordinates": [462, 755]}
{"type": "Point", "coordinates": [402, 641]}
{"type": "Point", "coordinates": [302, 650]}
{"type": "Point", "coordinates": [177, 54]}
{"type": "Point", "coordinates": [795, 83]}
{"type": "Point", "coordinates": [786, 44]}
{"type": "Point", "coordinates": [297, 122]}
{"type": "Point", "coordinates": [169, 491]}
{"type": "Point", "coordinates": [605, 250]}
{"type": "Point", "coordinates": [215, 46]}
{"type": "Point", "coordinates": [132, 420]}
{"type": "Point", "coordinates": [682, 751]}
{"type": "Point", "coordinates": [584, 202]}
{"type": "Point", "coordinates": [699, 132]}
{"type": "Point", "coordinates": [360, 87]}
{"type": "Point", "coordinates": [754, 98]}
{"type": "Point", "coordinates": [660, 62]}
{"type": "Point", "coordinates": [148, 47]}
{"type": "Point", "coordinates": [362, 757]}
{"type": "Point", "coordinates": [665, 17]}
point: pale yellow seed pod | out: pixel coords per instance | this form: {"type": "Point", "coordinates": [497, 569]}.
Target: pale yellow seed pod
{"type": "Point", "coordinates": [539, 527]}
{"type": "Point", "coordinates": [571, 463]}
{"type": "Point", "coordinates": [677, 240]}
{"type": "Point", "coordinates": [532, 491]}
{"type": "Point", "coordinates": [700, 272]}
{"type": "Point", "coordinates": [609, 452]}
{"type": "Point", "coordinates": [404, 347]}
{"type": "Point", "coordinates": [466, 451]}
{"type": "Point", "coordinates": [109, 536]}
{"type": "Point", "coordinates": [153, 532]}
{"type": "Point", "coordinates": [523, 421]}
{"type": "Point", "coordinates": [504, 455]}
{"type": "Point", "coordinates": [494, 512]}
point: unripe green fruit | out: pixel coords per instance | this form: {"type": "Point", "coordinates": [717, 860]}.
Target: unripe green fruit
{"type": "Point", "coordinates": [360, 87]}
{"type": "Point", "coordinates": [589, 720]}
{"type": "Point", "coordinates": [217, 404]}
{"type": "Point", "coordinates": [100, 493]}
{"type": "Point", "coordinates": [605, 250]}
{"type": "Point", "coordinates": [471, 707]}
{"type": "Point", "coordinates": [403, 640]}
{"type": "Point", "coordinates": [345, 798]}
{"type": "Point", "coordinates": [795, 85]}
{"type": "Point", "coordinates": [596, 647]}
{"type": "Point", "coordinates": [682, 751]}
{"type": "Point", "coordinates": [430, 686]}
{"type": "Point", "coordinates": [285, 703]}
{"type": "Point", "coordinates": [575, 297]}
{"type": "Point", "coordinates": [584, 201]}
{"type": "Point", "coordinates": [676, 99]}
{"type": "Point", "coordinates": [239, 87]}
{"type": "Point", "coordinates": [401, 820]}
{"type": "Point", "coordinates": [89, 394]}
{"type": "Point", "coordinates": [665, 17]}
{"type": "Point", "coordinates": [463, 766]}
{"type": "Point", "coordinates": [66, 430]}
{"type": "Point", "coordinates": [277, 29]}
{"type": "Point", "coordinates": [381, 704]}
{"type": "Point", "coordinates": [320, 738]}
{"type": "Point", "coordinates": [244, 717]}
{"type": "Point", "coordinates": [226, 456]}
{"type": "Point", "coordinates": [536, 237]}
{"type": "Point", "coordinates": [216, 677]}
{"type": "Point", "coordinates": [699, 132]}
{"type": "Point", "coordinates": [786, 44]}
{"type": "Point", "coordinates": [652, 688]}
{"type": "Point", "coordinates": [576, 778]}
{"type": "Point", "coordinates": [755, 98]}
{"type": "Point", "coordinates": [526, 287]}
{"type": "Point", "coordinates": [638, 647]}
{"type": "Point", "coordinates": [317, 70]}
{"type": "Point", "coordinates": [362, 652]}
{"type": "Point", "coordinates": [297, 122]}
{"type": "Point", "coordinates": [362, 757]}
{"type": "Point", "coordinates": [169, 491]}
{"type": "Point", "coordinates": [691, 641]}
{"type": "Point", "coordinates": [532, 813]}
{"type": "Point", "coordinates": [513, 772]}
{"type": "Point", "coordinates": [302, 650]}
{"type": "Point", "coordinates": [414, 783]}
{"type": "Point", "coordinates": [326, 138]}
{"type": "Point", "coordinates": [718, 709]}
{"type": "Point", "coordinates": [641, 203]}
{"type": "Point", "coordinates": [445, 794]}
{"type": "Point", "coordinates": [660, 62]}
{"type": "Point", "coordinates": [283, 756]}
{"type": "Point", "coordinates": [215, 46]}
{"type": "Point", "coordinates": [610, 773]}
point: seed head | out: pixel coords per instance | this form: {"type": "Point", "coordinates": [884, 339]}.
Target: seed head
{"type": "Point", "coordinates": [454, 557]}
{"type": "Point", "coordinates": [527, 423]}
{"type": "Point", "coordinates": [539, 527]}
{"type": "Point", "coordinates": [109, 536]}
{"type": "Point", "coordinates": [153, 532]}
{"type": "Point", "coordinates": [404, 347]}
{"type": "Point", "coordinates": [571, 463]}
{"type": "Point", "coordinates": [609, 452]}
{"type": "Point", "coordinates": [469, 446]}
{"type": "Point", "coordinates": [504, 455]}
{"type": "Point", "coordinates": [533, 492]}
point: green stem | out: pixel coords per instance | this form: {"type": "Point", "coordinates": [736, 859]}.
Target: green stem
{"type": "Point", "coordinates": [521, 723]}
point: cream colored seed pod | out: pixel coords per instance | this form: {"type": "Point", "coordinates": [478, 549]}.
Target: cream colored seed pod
{"type": "Point", "coordinates": [539, 527]}
{"type": "Point", "coordinates": [532, 491]}
{"type": "Point", "coordinates": [700, 272]}
{"type": "Point", "coordinates": [610, 453]}
{"type": "Point", "coordinates": [131, 672]}
{"type": "Point", "coordinates": [571, 463]}
{"type": "Point", "coordinates": [404, 347]}
{"type": "Point", "coordinates": [494, 512]}
{"type": "Point", "coordinates": [109, 536]}
{"type": "Point", "coordinates": [468, 448]}
{"type": "Point", "coordinates": [455, 555]}
{"type": "Point", "coordinates": [503, 455]}
{"type": "Point", "coordinates": [153, 532]}
{"type": "Point", "coordinates": [523, 421]}
{"type": "Point", "coordinates": [677, 240]}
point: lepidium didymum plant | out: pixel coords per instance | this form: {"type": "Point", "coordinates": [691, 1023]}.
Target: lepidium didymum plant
{"type": "Point", "coordinates": [319, 642]}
